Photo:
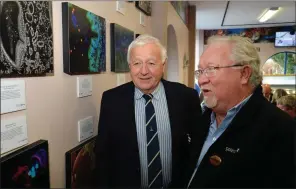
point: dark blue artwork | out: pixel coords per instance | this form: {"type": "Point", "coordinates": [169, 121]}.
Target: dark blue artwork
{"type": "Point", "coordinates": [84, 41]}
{"type": "Point", "coordinates": [121, 38]}
{"type": "Point", "coordinates": [27, 167]}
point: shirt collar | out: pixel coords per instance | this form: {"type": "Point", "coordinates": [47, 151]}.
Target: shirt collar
{"type": "Point", "coordinates": [155, 93]}
{"type": "Point", "coordinates": [233, 110]}
{"type": "Point", "coordinates": [237, 107]}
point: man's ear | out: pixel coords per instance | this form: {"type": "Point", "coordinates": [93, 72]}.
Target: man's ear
{"type": "Point", "coordinates": [164, 65]}
{"type": "Point", "coordinates": [246, 74]}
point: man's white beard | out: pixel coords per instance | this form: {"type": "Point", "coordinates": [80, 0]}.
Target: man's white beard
{"type": "Point", "coordinates": [211, 101]}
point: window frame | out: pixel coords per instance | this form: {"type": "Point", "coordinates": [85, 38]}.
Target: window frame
{"type": "Point", "coordinates": [285, 63]}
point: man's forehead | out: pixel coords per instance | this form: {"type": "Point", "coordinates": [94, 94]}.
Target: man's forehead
{"type": "Point", "coordinates": [266, 87]}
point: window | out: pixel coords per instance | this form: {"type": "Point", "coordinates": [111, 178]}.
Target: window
{"type": "Point", "coordinates": [283, 63]}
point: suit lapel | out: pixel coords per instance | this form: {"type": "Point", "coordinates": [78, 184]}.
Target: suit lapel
{"type": "Point", "coordinates": [173, 114]}
{"type": "Point", "coordinates": [241, 120]}
{"type": "Point", "coordinates": [131, 129]}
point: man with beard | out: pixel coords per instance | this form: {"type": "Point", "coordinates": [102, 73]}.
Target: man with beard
{"type": "Point", "coordinates": [246, 141]}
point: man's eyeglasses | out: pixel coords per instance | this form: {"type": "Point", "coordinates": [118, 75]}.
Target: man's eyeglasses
{"type": "Point", "coordinates": [211, 71]}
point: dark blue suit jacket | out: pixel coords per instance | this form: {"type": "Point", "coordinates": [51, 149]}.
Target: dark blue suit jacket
{"type": "Point", "coordinates": [265, 137]}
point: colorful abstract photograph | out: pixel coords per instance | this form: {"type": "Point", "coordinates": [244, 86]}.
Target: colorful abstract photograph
{"type": "Point", "coordinates": [121, 38]}
{"type": "Point", "coordinates": [26, 40]}
{"type": "Point", "coordinates": [80, 165]}
{"type": "Point", "coordinates": [27, 167]}
{"type": "Point", "coordinates": [84, 41]}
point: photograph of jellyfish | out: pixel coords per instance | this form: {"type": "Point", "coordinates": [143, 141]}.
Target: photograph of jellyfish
{"type": "Point", "coordinates": [27, 167]}
{"type": "Point", "coordinates": [121, 38]}
{"type": "Point", "coordinates": [84, 41]}
{"type": "Point", "coordinates": [80, 165]}
{"type": "Point", "coordinates": [26, 40]}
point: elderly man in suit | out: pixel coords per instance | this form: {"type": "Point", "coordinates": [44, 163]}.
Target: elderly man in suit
{"type": "Point", "coordinates": [245, 141]}
{"type": "Point", "coordinates": [146, 126]}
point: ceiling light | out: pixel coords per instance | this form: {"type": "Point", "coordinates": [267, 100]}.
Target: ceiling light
{"type": "Point", "coordinates": [268, 14]}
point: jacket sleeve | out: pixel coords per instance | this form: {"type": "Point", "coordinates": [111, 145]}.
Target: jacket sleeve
{"type": "Point", "coordinates": [102, 150]}
{"type": "Point", "coordinates": [193, 117]}
{"type": "Point", "coordinates": [195, 114]}
{"type": "Point", "coordinates": [283, 166]}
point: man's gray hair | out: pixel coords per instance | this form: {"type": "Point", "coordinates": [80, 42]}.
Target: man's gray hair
{"type": "Point", "coordinates": [243, 52]}
{"type": "Point", "coordinates": [146, 39]}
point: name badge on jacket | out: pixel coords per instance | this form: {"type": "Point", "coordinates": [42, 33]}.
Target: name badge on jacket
{"type": "Point", "coordinates": [231, 150]}
{"type": "Point", "coordinates": [188, 138]}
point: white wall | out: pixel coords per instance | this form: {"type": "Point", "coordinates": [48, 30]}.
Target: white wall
{"type": "Point", "coordinates": [173, 56]}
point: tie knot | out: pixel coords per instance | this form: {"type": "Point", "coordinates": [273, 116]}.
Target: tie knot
{"type": "Point", "coordinates": [147, 97]}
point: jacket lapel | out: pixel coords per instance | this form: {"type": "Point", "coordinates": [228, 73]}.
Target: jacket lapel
{"type": "Point", "coordinates": [173, 114]}
{"type": "Point", "coordinates": [131, 129]}
{"type": "Point", "coordinates": [241, 120]}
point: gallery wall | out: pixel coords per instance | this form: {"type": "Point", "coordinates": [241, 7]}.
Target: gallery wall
{"type": "Point", "coordinates": [53, 108]}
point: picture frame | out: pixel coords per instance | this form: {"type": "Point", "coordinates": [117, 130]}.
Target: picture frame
{"type": "Point", "coordinates": [26, 39]}
{"type": "Point", "coordinates": [144, 6]}
{"type": "Point", "coordinates": [81, 165]}
{"type": "Point", "coordinates": [27, 167]}
{"type": "Point", "coordinates": [84, 41]}
{"type": "Point", "coordinates": [121, 38]}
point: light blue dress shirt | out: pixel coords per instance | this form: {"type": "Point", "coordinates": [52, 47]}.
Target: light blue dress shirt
{"type": "Point", "coordinates": [164, 133]}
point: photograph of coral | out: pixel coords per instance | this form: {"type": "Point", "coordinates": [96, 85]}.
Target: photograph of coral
{"type": "Point", "coordinates": [84, 41]}
{"type": "Point", "coordinates": [80, 165]}
{"type": "Point", "coordinates": [26, 40]}
{"type": "Point", "coordinates": [27, 167]}
{"type": "Point", "coordinates": [121, 38]}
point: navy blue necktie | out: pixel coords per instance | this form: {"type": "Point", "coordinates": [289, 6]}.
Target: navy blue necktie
{"type": "Point", "coordinates": [155, 179]}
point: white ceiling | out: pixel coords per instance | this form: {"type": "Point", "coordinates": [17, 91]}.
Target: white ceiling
{"type": "Point", "coordinates": [241, 14]}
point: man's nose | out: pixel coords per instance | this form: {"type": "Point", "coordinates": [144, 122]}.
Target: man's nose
{"type": "Point", "coordinates": [144, 69]}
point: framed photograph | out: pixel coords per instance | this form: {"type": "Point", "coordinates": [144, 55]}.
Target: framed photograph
{"type": "Point", "coordinates": [80, 165]}
{"type": "Point", "coordinates": [121, 38]}
{"type": "Point", "coordinates": [26, 39]}
{"type": "Point", "coordinates": [145, 7]}
{"type": "Point", "coordinates": [27, 167]}
{"type": "Point", "coordinates": [84, 41]}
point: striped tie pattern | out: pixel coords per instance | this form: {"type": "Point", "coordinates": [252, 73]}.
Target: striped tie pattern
{"type": "Point", "coordinates": [155, 178]}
